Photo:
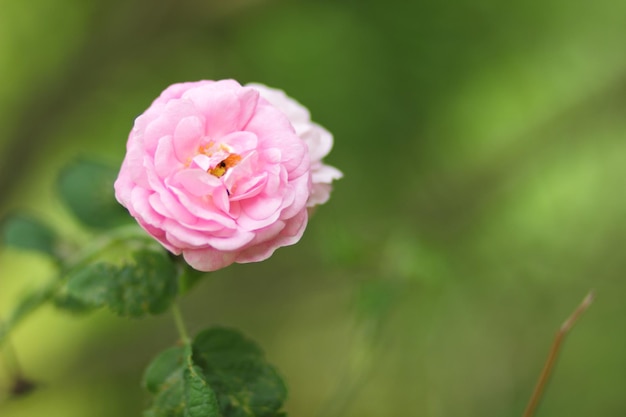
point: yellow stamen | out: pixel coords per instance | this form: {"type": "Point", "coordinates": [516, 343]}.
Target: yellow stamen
{"type": "Point", "coordinates": [221, 168]}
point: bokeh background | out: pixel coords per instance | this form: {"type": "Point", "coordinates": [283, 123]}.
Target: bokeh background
{"type": "Point", "coordinates": [483, 144]}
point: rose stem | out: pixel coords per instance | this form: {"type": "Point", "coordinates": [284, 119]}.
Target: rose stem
{"type": "Point", "coordinates": [554, 353]}
{"type": "Point", "coordinates": [180, 324]}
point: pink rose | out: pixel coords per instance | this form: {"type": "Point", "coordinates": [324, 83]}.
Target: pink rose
{"type": "Point", "coordinates": [223, 173]}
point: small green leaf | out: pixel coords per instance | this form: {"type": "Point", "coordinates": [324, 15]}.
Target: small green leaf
{"type": "Point", "coordinates": [147, 285]}
{"type": "Point", "coordinates": [200, 400]}
{"type": "Point", "coordinates": [93, 284]}
{"type": "Point", "coordinates": [28, 233]}
{"type": "Point", "coordinates": [87, 189]}
{"type": "Point", "coordinates": [234, 366]}
{"type": "Point", "coordinates": [162, 367]}
{"type": "Point", "coordinates": [70, 304]}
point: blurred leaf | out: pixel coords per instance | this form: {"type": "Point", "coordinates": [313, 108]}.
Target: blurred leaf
{"type": "Point", "coordinates": [246, 385]}
{"type": "Point", "coordinates": [87, 189]}
{"type": "Point", "coordinates": [70, 304]}
{"type": "Point", "coordinates": [148, 285]}
{"type": "Point", "coordinates": [28, 233]}
{"type": "Point", "coordinates": [93, 284]}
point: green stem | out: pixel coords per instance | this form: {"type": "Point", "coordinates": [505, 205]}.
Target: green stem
{"type": "Point", "coordinates": [180, 324]}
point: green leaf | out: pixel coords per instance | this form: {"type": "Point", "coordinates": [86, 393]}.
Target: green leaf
{"type": "Point", "coordinates": [179, 387]}
{"type": "Point", "coordinates": [169, 401]}
{"type": "Point", "coordinates": [147, 285]}
{"type": "Point", "coordinates": [28, 233]}
{"type": "Point", "coordinates": [225, 346]}
{"type": "Point", "coordinates": [200, 400]}
{"type": "Point", "coordinates": [70, 304]}
{"type": "Point", "coordinates": [234, 366]}
{"type": "Point", "coordinates": [87, 189]}
{"type": "Point", "coordinates": [94, 284]}
{"type": "Point", "coordinates": [162, 367]}
{"type": "Point", "coordinates": [226, 376]}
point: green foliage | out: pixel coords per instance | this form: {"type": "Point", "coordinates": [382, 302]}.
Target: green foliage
{"type": "Point", "coordinates": [234, 366]}
{"type": "Point", "coordinates": [25, 232]}
{"type": "Point", "coordinates": [226, 376]}
{"type": "Point", "coordinates": [147, 285]}
{"type": "Point", "coordinates": [87, 189]}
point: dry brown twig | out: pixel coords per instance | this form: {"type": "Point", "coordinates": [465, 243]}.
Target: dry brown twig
{"type": "Point", "coordinates": [546, 372]}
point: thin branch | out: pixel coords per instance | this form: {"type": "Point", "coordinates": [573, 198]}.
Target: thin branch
{"type": "Point", "coordinates": [180, 324]}
{"type": "Point", "coordinates": [554, 353]}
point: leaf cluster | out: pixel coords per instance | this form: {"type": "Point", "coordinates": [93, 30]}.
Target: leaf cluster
{"type": "Point", "coordinates": [220, 373]}
{"type": "Point", "coordinates": [121, 269]}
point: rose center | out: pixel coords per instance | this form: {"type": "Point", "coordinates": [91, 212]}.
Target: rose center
{"type": "Point", "coordinates": [215, 159]}
{"type": "Point", "coordinates": [221, 168]}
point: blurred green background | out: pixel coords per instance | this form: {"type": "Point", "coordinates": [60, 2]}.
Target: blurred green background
{"type": "Point", "coordinates": [483, 145]}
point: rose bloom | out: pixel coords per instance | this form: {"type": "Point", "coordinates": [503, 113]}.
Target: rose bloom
{"type": "Point", "coordinates": [223, 173]}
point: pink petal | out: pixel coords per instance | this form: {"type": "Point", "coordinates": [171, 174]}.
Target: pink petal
{"type": "Point", "coordinates": [188, 136]}
{"type": "Point", "coordinates": [319, 141]}
{"type": "Point", "coordinates": [165, 161]}
{"type": "Point", "coordinates": [249, 188]}
{"type": "Point", "coordinates": [196, 181]}
{"type": "Point", "coordinates": [289, 235]}
{"type": "Point", "coordinates": [240, 141]}
{"type": "Point", "coordinates": [262, 207]}
{"type": "Point", "coordinates": [141, 207]}
{"type": "Point", "coordinates": [208, 259]}
{"type": "Point", "coordinates": [268, 120]}
{"type": "Point", "coordinates": [204, 208]}
{"type": "Point", "coordinates": [325, 174]}
{"type": "Point", "coordinates": [225, 104]}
